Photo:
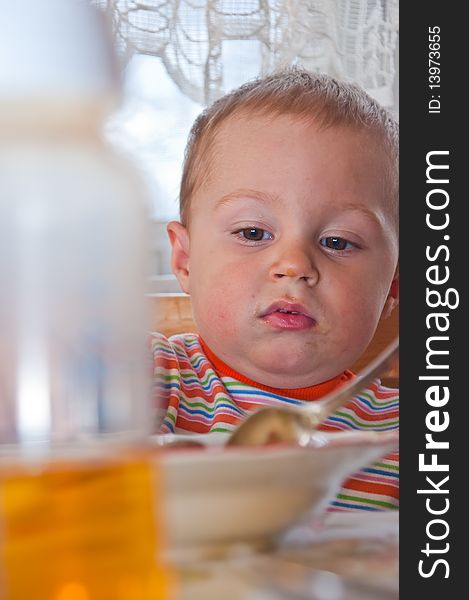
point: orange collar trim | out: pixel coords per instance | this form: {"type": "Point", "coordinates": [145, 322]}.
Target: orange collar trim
{"type": "Point", "coordinates": [313, 392]}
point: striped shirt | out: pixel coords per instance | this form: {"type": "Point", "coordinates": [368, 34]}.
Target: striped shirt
{"type": "Point", "coordinates": [198, 393]}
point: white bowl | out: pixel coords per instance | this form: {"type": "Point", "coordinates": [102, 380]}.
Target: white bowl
{"type": "Point", "coordinates": [216, 496]}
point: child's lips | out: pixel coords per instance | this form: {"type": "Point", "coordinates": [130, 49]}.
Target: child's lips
{"type": "Point", "coordinates": [288, 316]}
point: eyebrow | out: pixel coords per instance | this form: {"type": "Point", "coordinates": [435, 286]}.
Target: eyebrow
{"type": "Point", "coordinates": [246, 194]}
{"type": "Point", "coordinates": [372, 216]}
{"type": "Point", "coordinates": [249, 194]}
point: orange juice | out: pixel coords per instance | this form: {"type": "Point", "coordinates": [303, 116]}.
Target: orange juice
{"type": "Point", "coordinates": [81, 530]}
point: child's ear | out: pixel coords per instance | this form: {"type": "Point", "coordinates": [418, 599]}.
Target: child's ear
{"type": "Point", "coordinates": [393, 296]}
{"type": "Point", "coordinates": [179, 238]}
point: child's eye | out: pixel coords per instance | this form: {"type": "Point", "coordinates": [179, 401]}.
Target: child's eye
{"type": "Point", "coordinates": [254, 234]}
{"type": "Point", "coordinates": [336, 243]}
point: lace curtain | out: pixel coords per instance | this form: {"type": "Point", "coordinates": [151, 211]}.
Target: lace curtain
{"type": "Point", "coordinates": [353, 40]}
{"type": "Point", "coordinates": [198, 49]}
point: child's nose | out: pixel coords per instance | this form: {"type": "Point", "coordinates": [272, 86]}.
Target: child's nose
{"type": "Point", "coordinates": [295, 264]}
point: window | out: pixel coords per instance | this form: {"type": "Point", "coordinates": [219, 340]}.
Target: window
{"type": "Point", "coordinates": [184, 54]}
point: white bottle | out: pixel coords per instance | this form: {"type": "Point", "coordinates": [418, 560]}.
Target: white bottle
{"type": "Point", "coordinates": [79, 492]}
{"type": "Point", "coordinates": [72, 235]}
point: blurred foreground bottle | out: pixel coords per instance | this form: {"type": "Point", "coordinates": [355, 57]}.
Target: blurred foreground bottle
{"type": "Point", "coordinates": [77, 517]}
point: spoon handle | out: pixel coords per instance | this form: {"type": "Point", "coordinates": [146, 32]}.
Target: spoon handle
{"type": "Point", "coordinates": [336, 399]}
{"type": "Point", "coordinates": [296, 423]}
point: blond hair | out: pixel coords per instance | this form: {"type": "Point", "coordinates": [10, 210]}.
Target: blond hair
{"type": "Point", "coordinates": [295, 91]}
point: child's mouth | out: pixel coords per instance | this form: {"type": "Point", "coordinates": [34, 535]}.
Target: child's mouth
{"type": "Point", "coordinates": [287, 316]}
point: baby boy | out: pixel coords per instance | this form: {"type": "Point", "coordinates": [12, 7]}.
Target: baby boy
{"type": "Point", "coordinates": [288, 247]}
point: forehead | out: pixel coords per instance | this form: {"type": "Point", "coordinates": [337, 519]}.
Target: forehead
{"type": "Point", "coordinates": [283, 155]}
{"type": "Point", "coordinates": [254, 132]}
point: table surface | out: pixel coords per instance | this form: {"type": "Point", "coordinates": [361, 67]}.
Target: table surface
{"type": "Point", "coordinates": [343, 556]}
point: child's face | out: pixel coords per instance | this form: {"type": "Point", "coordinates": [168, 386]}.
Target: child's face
{"type": "Point", "coordinates": [291, 249]}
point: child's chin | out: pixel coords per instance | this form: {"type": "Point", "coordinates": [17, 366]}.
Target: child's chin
{"type": "Point", "coordinates": [288, 370]}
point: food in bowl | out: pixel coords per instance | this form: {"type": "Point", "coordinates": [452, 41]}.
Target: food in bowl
{"type": "Point", "coordinates": [214, 495]}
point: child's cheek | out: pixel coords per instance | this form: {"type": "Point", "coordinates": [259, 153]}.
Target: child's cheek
{"type": "Point", "coordinates": [223, 310]}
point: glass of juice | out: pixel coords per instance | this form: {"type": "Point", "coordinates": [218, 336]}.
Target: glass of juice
{"type": "Point", "coordinates": [81, 526]}
{"type": "Point", "coordinates": [79, 516]}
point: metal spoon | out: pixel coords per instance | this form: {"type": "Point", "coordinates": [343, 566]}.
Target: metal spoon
{"type": "Point", "coordinates": [295, 425]}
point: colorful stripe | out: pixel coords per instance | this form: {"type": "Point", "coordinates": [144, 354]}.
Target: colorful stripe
{"type": "Point", "coordinates": [194, 398]}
